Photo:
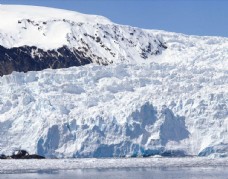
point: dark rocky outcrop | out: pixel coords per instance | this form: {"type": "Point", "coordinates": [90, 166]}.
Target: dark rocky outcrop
{"type": "Point", "coordinates": [26, 58]}
{"type": "Point", "coordinates": [2, 156]}
{"type": "Point", "coordinates": [21, 154]}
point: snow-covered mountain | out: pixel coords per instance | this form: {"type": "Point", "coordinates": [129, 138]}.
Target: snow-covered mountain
{"type": "Point", "coordinates": [146, 100]}
{"type": "Point", "coordinates": [38, 38]}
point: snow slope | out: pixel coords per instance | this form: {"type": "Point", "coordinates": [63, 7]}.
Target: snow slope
{"type": "Point", "coordinates": [94, 36]}
{"type": "Point", "coordinates": [39, 26]}
{"type": "Point", "coordinates": [171, 104]}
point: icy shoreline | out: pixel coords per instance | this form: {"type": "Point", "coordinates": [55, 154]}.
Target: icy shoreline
{"type": "Point", "coordinates": [33, 166]}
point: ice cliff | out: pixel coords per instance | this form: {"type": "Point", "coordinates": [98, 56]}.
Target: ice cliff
{"type": "Point", "coordinates": [146, 100]}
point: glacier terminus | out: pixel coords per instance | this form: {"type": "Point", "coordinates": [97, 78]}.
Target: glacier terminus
{"type": "Point", "coordinates": [75, 85]}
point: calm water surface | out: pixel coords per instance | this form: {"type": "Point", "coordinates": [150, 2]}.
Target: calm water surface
{"type": "Point", "coordinates": [132, 173]}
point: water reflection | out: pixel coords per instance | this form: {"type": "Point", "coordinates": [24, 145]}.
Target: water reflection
{"type": "Point", "coordinates": [123, 173]}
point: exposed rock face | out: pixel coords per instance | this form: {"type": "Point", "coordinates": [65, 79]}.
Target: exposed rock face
{"type": "Point", "coordinates": [24, 59]}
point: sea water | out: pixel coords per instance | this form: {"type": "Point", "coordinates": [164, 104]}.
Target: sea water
{"type": "Point", "coordinates": [123, 173]}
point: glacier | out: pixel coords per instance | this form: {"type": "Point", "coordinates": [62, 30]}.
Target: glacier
{"type": "Point", "coordinates": [170, 104]}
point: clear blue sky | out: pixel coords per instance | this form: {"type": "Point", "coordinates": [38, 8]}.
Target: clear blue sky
{"type": "Point", "coordinates": [197, 17]}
